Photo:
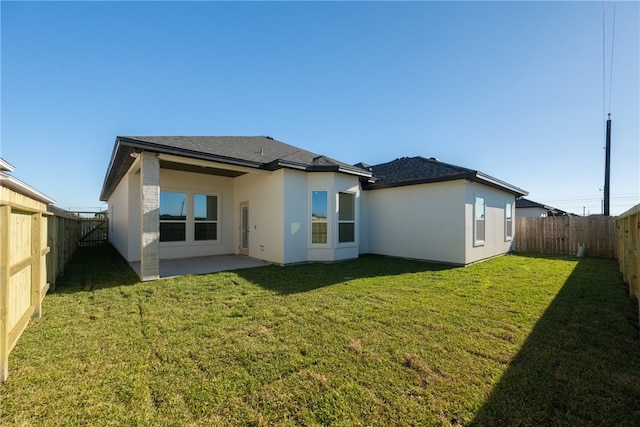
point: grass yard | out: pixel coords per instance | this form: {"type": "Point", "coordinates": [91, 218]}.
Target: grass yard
{"type": "Point", "coordinates": [376, 341]}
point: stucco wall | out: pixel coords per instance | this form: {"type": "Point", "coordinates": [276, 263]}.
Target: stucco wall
{"type": "Point", "coordinates": [264, 193]}
{"type": "Point", "coordinates": [296, 222]}
{"type": "Point", "coordinates": [496, 242]}
{"type": "Point", "coordinates": [118, 206]}
{"type": "Point", "coordinates": [135, 225]}
{"type": "Point", "coordinates": [419, 221]}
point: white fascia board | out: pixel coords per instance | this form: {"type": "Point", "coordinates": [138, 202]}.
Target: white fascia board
{"type": "Point", "coordinates": [499, 183]}
{"type": "Point", "coordinates": [6, 166]}
{"type": "Point", "coordinates": [25, 189]}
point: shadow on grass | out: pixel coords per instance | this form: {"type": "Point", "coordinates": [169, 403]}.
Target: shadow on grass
{"type": "Point", "coordinates": [101, 267]}
{"type": "Point", "coordinates": [581, 363]}
{"type": "Point", "coordinates": [95, 267]}
{"type": "Point", "coordinates": [306, 277]}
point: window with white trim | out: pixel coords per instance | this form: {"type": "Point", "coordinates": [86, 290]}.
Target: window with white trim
{"type": "Point", "coordinates": [508, 221]}
{"type": "Point", "coordinates": [346, 217]}
{"type": "Point", "coordinates": [205, 217]}
{"type": "Point", "coordinates": [173, 216]}
{"type": "Point", "coordinates": [188, 217]}
{"type": "Point", "coordinates": [479, 221]}
{"type": "Point", "coordinates": [319, 219]}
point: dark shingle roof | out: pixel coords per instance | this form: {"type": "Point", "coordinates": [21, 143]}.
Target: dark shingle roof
{"type": "Point", "coordinates": [260, 152]}
{"type": "Point", "coordinates": [420, 170]}
{"type": "Point", "coordinates": [526, 203]}
{"type": "Point", "coordinates": [523, 203]}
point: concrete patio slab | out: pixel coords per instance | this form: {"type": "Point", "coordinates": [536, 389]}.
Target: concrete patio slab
{"type": "Point", "coordinates": [202, 265]}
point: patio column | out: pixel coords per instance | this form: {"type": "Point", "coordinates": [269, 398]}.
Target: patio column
{"type": "Point", "coordinates": [150, 216]}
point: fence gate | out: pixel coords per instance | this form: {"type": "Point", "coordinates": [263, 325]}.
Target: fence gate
{"type": "Point", "coordinates": [93, 231]}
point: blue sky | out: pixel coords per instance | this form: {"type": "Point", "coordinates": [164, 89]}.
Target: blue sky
{"type": "Point", "coordinates": [513, 89]}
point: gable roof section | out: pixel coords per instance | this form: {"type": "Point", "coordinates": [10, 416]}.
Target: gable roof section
{"type": "Point", "coordinates": [420, 170]}
{"type": "Point", "coordinates": [13, 183]}
{"type": "Point", "coordinates": [523, 203]}
{"type": "Point", "coordinates": [526, 203]}
{"type": "Point", "coordinates": [259, 152]}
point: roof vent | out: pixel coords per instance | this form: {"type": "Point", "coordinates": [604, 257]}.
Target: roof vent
{"type": "Point", "coordinates": [269, 137]}
{"type": "Point", "coordinates": [434, 159]}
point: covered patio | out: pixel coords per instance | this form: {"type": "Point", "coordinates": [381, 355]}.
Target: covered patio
{"type": "Point", "coordinates": [202, 265]}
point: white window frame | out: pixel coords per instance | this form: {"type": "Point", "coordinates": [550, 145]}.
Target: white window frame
{"type": "Point", "coordinates": [476, 241]}
{"type": "Point", "coordinates": [190, 222]}
{"type": "Point", "coordinates": [508, 221]}
{"type": "Point", "coordinates": [195, 221]}
{"type": "Point", "coordinates": [328, 220]}
{"type": "Point", "coordinates": [180, 221]}
{"type": "Point", "coordinates": [343, 221]}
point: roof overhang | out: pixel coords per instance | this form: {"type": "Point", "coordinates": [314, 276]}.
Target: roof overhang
{"type": "Point", "coordinates": [473, 176]}
{"type": "Point", "coordinates": [125, 152]}
{"type": "Point", "coordinates": [280, 164]}
{"type": "Point", "coordinates": [206, 166]}
{"type": "Point", "coordinates": [500, 185]}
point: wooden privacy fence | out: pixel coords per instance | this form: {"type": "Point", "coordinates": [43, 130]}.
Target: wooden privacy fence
{"type": "Point", "coordinates": [563, 235]}
{"type": "Point", "coordinates": [23, 251]}
{"type": "Point", "coordinates": [67, 231]}
{"type": "Point", "coordinates": [628, 230]}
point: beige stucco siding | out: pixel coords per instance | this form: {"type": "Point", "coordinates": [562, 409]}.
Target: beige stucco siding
{"type": "Point", "coordinates": [264, 193]}
{"type": "Point", "coordinates": [118, 206]}
{"type": "Point", "coordinates": [496, 241]}
{"type": "Point", "coordinates": [296, 222]}
{"type": "Point", "coordinates": [423, 221]}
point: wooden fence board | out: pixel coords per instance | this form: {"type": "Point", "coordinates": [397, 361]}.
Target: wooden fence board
{"type": "Point", "coordinates": [563, 235]}
{"type": "Point", "coordinates": [628, 234]}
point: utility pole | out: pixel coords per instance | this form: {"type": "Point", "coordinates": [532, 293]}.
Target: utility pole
{"type": "Point", "coordinates": [607, 168]}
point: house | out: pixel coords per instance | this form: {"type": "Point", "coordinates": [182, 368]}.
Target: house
{"type": "Point", "coordinates": [529, 208]}
{"type": "Point", "coordinates": [173, 197]}
{"type": "Point", "coordinates": [422, 208]}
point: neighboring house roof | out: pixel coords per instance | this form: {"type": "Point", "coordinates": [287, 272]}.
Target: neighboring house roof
{"type": "Point", "coordinates": [18, 186]}
{"type": "Point", "coordinates": [5, 166]}
{"type": "Point", "coordinates": [526, 203]}
{"type": "Point", "coordinates": [420, 170]}
{"type": "Point", "coordinates": [523, 203]}
{"type": "Point", "coordinates": [260, 152]}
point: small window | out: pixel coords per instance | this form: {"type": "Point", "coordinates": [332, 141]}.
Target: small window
{"type": "Point", "coordinates": [319, 224]}
{"type": "Point", "coordinates": [508, 221]}
{"type": "Point", "coordinates": [346, 218]}
{"type": "Point", "coordinates": [205, 217]}
{"type": "Point", "coordinates": [479, 222]}
{"type": "Point", "coordinates": [173, 217]}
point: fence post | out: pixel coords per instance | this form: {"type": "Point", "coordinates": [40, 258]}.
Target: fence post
{"type": "Point", "coordinates": [5, 229]}
{"type": "Point", "coordinates": [36, 271]}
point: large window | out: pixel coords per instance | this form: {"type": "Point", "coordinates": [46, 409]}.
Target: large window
{"type": "Point", "coordinates": [346, 217]}
{"type": "Point", "coordinates": [319, 210]}
{"type": "Point", "coordinates": [173, 217]}
{"type": "Point", "coordinates": [188, 217]}
{"type": "Point", "coordinates": [508, 221]}
{"type": "Point", "coordinates": [206, 217]}
{"type": "Point", "coordinates": [479, 222]}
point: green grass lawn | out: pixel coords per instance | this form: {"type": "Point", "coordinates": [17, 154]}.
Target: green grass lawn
{"type": "Point", "coordinates": [516, 340]}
